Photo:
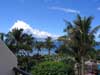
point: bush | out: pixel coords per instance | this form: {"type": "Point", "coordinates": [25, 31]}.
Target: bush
{"type": "Point", "coordinates": [53, 68]}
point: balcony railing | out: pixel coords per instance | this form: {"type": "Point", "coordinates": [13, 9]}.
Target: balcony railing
{"type": "Point", "coordinates": [19, 71]}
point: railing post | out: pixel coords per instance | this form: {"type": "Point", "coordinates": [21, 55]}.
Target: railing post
{"type": "Point", "coordinates": [19, 71]}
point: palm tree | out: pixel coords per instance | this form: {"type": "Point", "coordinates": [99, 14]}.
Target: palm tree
{"type": "Point", "coordinates": [11, 43]}
{"type": "Point", "coordinates": [49, 44]}
{"type": "Point", "coordinates": [28, 43]}
{"type": "Point", "coordinates": [39, 45]}
{"type": "Point", "coordinates": [17, 40]}
{"type": "Point", "coordinates": [81, 39]}
{"type": "Point", "coordinates": [20, 44]}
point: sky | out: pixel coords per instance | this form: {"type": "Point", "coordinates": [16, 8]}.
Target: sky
{"type": "Point", "coordinates": [46, 15]}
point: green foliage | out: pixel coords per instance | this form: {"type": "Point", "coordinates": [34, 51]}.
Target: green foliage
{"type": "Point", "coordinates": [53, 68]}
{"type": "Point", "coordinates": [49, 44]}
{"type": "Point", "coordinates": [81, 39]}
{"type": "Point", "coordinates": [26, 62]}
{"type": "Point", "coordinates": [17, 40]}
{"type": "Point", "coordinates": [49, 58]}
{"type": "Point", "coordinates": [39, 45]}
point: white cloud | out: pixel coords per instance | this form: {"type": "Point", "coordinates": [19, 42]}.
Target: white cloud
{"type": "Point", "coordinates": [36, 32]}
{"type": "Point", "coordinates": [98, 8]}
{"type": "Point", "coordinates": [20, 25]}
{"type": "Point", "coordinates": [67, 10]}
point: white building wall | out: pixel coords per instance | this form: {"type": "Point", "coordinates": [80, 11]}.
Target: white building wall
{"type": "Point", "coordinates": [7, 60]}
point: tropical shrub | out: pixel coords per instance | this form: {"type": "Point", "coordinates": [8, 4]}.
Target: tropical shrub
{"type": "Point", "coordinates": [53, 68]}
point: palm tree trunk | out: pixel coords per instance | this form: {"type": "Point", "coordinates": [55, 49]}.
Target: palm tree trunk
{"type": "Point", "coordinates": [82, 65]}
{"type": "Point", "coordinates": [49, 53]}
{"type": "Point", "coordinates": [79, 69]}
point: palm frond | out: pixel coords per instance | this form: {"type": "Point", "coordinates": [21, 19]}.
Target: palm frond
{"type": "Point", "coordinates": [69, 25]}
{"type": "Point", "coordinates": [95, 30]}
{"type": "Point", "coordinates": [78, 21]}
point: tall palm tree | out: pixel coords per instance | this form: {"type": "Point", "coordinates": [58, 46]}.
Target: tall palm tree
{"type": "Point", "coordinates": [18, 40]}
{"type": "Point", "coordinates": [11, 43]}
{"type": "Point", "coordinates": [21, 44]}
{"type": "Point", "coordinates": [39, 45]}
{"type": "Point", "coordinates": [81, 39]}
{"type": "Point", "coordinates": [49, 44]}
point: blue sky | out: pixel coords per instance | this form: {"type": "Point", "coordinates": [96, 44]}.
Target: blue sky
{"type": "Point", "coordinates": [46, 15]}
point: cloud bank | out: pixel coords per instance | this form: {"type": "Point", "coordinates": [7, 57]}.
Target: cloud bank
{"type": "Point", "coordinates": [36, 32]}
